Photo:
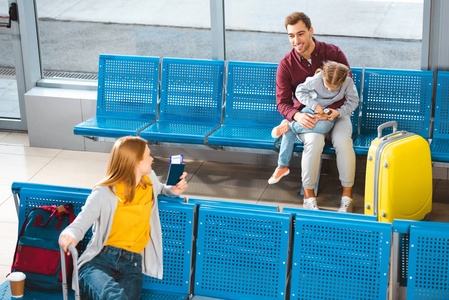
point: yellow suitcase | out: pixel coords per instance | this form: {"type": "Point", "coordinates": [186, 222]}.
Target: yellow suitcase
{"type": "Point", "coordinates": [398, 176]}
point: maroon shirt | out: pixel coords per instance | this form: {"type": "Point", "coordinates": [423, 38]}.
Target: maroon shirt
{"type": "Point", "coordinates": [294, 69]}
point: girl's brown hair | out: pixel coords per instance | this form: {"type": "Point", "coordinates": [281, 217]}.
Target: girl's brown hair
{"type": "Point", "coordinates": [126, 154]}
{"type": "Point", "coordinates": [335, 73]}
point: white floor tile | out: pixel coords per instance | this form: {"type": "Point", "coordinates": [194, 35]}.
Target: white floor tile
{"type": "Point", "coordinates": [71, 172]}
{"type": "Point", "coordinates": [8, 212]}
{"type": "Point", "coordinates": [8, 236]}
{"type": "Point", "coordinates": [20, 167]}
{"type": "Point", "coordinates": [4, 270]}
{"type": "Point", "coordinates": [28, 151]}
{"type": "Point", "coordinates": [83, 155]}
{"type": "Point", "coordinates": [16, 139]}
{"type": "Point", "coordinates": [5, 192]}
{"type": "Point", "coordinates": [3, 135]}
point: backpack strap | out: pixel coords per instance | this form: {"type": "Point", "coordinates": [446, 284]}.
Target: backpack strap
{"type": "Point", "coordinates": [18, 238]}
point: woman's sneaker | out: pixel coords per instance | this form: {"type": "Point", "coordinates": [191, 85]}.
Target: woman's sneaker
{"type": "Point", "coordinates": [278, 174]}
{"type": "Point", "coordinates": [280, 129]}
{"type": "Point", "coordinates": [310, 203]}
{"type": "Point", "coordinates": [347, 205]}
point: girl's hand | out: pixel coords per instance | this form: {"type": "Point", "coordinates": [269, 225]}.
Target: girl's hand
{"type": "Point", "coordinates": [319, 110]}
{"type": "Point", "coordinates": [65, 240]}
{"type": "Point", "coordinates": [333, 115]}
{"type": "Point", "coordinates": [181, 186]}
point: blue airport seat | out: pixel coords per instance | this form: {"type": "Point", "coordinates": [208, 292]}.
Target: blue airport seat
{"type": "Point", "coordinates": [439, 147]}
{"type": "Point", "coordinates": [250, 112]}
{"type": "Point", "coordinates": [170, 199]}
{"type": "Point", "coordinates": [335, 258]}
{"type": "Point", "coordinates": [177, 221]}
{"type": "Point", "coordinates": [404, 96]}
{"type": "Point", "coordinates": [401, 236]}
{"type": "Point", "coordinates": [420, 248]}
{"type": "Point", "coordinates": [16, 187]}
{"type": "Point", "coordinates": [329, 214]}
{"type": "Point", "coordinates": [428, 266]}
{"type": "Point", "coordinates": [35, 195]}
{"type": "Point", "coordinates": [191, 101]}
{"type": "Point", "coordinates": [241, 254]}
{"type": "Point", "coordinates": [231, 204]}
{"type": "Point", "coordinates": [5, 293]}
{"type": "Point", "coordinates": [127, 97]}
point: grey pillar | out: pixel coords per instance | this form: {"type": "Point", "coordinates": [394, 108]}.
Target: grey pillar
{"type": "Point", "coordinates": [435, 40]}
{"type": "Point", "coordinates": [217, 26]}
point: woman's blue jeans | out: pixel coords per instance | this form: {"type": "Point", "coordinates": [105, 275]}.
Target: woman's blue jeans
{"type": "Point", "coordinates": [113, 274]}
{"type": "Point", "coordinates": [289, 138]}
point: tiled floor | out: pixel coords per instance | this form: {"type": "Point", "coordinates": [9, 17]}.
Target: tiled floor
{"type": "Point", "coordinates": [20, 162]}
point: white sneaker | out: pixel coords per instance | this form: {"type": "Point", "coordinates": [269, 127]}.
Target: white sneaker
{"type": "Point", "coordinates": [347, 205]}
{"type": "Point", "coordinates": [310, 203]}
{"type": "Point", "coordinates": [278, 174]}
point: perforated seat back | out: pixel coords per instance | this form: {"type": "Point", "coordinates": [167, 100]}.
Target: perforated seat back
{"type": "Point", "coordinates": [127, 86]}
{"type": "Point", "coordinates": [241, 254]}
{"type": "Point", "coordinates": [340, 259]}
{"type": "Point", "coordinates": [428, 263]}
{"type": "Point", "coordinates": [251, 94]}
{"type": "Point", "coordinates": [357, 74]}
{"type": "Point", "coordinates": [397, 95]}
{"type": "Point", "coordinates": [441, 126]}
{"type": "Point", "coordinates": [177, 221]}
{"type": "Point", "coordinates": [191, 90]}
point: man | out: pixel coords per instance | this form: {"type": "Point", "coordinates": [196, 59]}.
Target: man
{"type": "Point", "coordinates": [306, 57]}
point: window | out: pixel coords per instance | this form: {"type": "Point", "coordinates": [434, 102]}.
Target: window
{"type": "Point", "coordinates": [376, 34]}
{"type": "Point", "coordinates": [72, 36]}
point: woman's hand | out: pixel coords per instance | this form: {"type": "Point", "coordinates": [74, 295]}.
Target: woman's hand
{"type": "Point", "coordinates": [65, 240]}
{"type": "Point", "coordinates": [181, 186]}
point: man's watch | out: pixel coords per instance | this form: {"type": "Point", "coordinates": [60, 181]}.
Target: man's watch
{"type": "Point", "coordinates": [327, 111]}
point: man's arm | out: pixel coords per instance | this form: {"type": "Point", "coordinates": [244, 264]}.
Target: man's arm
{"type": "Point", "coordinates": [284, 99]}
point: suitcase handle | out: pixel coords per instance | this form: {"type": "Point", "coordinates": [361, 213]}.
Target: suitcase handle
{"type": "Point", "coordinates": [65, 284]}
{"type": "Point", "coordinates": [386, 125]}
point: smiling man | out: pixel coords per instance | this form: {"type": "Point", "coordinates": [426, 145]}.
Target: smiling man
{"type": "Point", "coordinates": [301, 62]}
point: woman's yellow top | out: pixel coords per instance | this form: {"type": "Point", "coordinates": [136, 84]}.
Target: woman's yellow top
{"type": "Point", "coordinates": [131, 224]}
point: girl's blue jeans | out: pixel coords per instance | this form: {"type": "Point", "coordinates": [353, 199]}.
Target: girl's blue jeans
{"type": "Point", "coordinates": [289, 138]}
{"type": "Point", "coordinates": [113, 274]}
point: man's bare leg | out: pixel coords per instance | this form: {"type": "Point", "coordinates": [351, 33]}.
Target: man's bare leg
{"type": "Point", "coordinates": [347, 191]}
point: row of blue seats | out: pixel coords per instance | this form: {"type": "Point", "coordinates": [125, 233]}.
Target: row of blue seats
{"type": "Point", "coordinates": [184, 102]}
{"type": "Point", "coordinates": [228, 250]}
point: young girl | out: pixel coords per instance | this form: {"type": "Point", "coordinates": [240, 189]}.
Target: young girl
{"type": "Point", "coordinates": [327, 86]}
{"type": "Point", "coordinates": [127, 237]}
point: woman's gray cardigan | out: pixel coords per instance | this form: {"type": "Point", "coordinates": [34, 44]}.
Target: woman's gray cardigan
{"type": "Point", "coordinates": [99, 210]}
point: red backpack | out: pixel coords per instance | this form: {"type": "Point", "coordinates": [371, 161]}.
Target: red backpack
{"type": "Point", "coordinates": [37, 252]}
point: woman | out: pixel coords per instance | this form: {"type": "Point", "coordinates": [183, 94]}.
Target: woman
{"type": "Point", "coordinates": [127, 237]}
